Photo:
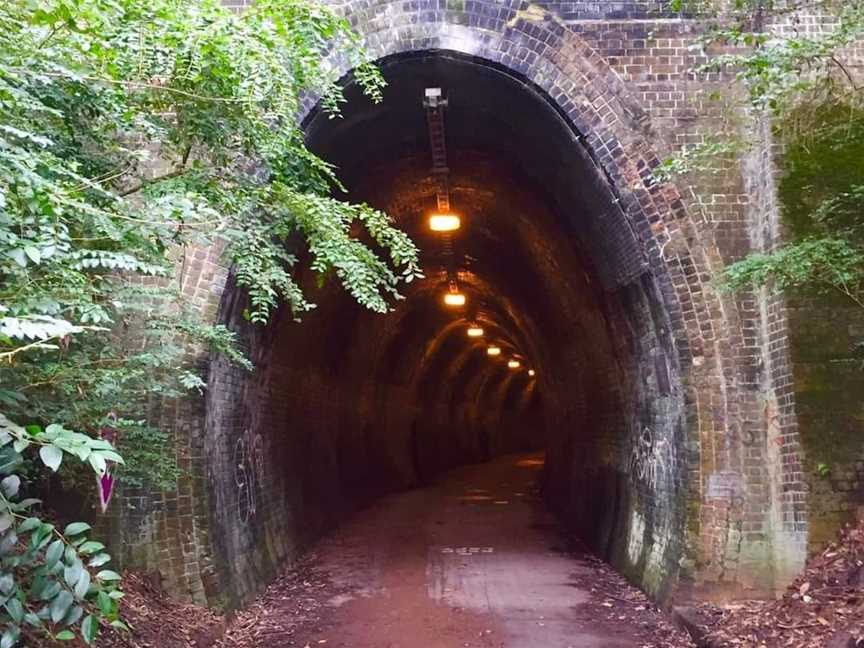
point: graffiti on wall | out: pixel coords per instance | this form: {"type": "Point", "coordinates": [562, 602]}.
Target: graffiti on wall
{"type": "Point", "coordinates": [248, 469]}
{"type": "Point", "coordinates": [106, 480]}
{"type": "Point", "coordinates": [652, 460]}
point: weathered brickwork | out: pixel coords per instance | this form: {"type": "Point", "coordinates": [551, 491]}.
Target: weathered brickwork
{"type": "Point", "coordinates": [170, 531]}
{"type": "Point", "coordinates": [827, 386]}
{"type": "Point", "coordinates": [672, 435]}
{"type": "Point", "coordinates": [823, 369]}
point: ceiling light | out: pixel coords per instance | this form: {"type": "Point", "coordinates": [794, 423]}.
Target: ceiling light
{"type": "Point", "coordinates": [513, 364]}
{"type": "Point", "coordinates": [493, 350]}
{"type": "Point", "coordinates": [454, 299]}
{"type": "Point", "coordinates": [444, 222]}
{"type": "Point", "coordinates": [475, 331]}
{"type": "Point", "coordinates": [531, 372]}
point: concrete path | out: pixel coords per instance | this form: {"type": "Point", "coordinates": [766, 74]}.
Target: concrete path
{"type": "Point", "coordinates": [470, 561]}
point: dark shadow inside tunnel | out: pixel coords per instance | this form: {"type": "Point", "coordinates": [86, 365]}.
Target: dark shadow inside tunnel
{"type": "Point", "coordinates": [349, 405]}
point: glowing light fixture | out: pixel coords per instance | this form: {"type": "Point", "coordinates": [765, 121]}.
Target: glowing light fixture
{"type": "Point", "coordinates": [454, 299]}
{"type": "Point", "coordinates": [531, 373]}
{"type": "Point", "coordinates": [444, 222]}
{"type": "Point", "coordinates": [475, 331]}
{"type": "Point", "coordinates": [493, 351]}
{"type": "Point", "coordinates": [514, 364]}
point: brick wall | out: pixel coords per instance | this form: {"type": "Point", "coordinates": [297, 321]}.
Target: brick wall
{"type": "Point", "coordinates": [822, 370]}
{"type": "Point", "coordinates": [677, 416]}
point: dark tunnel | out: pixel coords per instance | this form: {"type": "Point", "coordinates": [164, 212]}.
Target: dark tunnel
{"type": "Point", "coordinates": [349, 405]}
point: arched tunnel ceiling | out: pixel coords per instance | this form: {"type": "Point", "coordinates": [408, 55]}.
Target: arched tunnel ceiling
{"type": "Point", "coordinates": [492, 113]}
{"type": "Point", "coordinates": [354, 404]}
{"type": "Point", "coordinates": [534, 252]}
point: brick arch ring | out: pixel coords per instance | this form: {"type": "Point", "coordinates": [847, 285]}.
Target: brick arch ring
{"type": "Point", "coordinates": [533, 46]}
{"type": "Point", "coordinates": [536, 48]}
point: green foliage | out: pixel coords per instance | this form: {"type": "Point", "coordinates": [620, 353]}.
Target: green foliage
{"type": "Point", "coordinates": [154, 463]}
{"type": "Point", "coordinates": [822, 175]}
{"type": "Point", "coordinates": [825, 265]}
{"type": "Point", "coordinates": [129, 129]}
{"type": "Point", "coordinates": [706, 157]}
{"type": "Point", "coordinates": [53, 583]}
{"type": "Point", "coordinates": [802, 83]}
{"type": "Point", "coordinates": [787, 73]}
{"type": "Point", "coordinates": [134, 133]}
{"type": "Point", "coordinates": [821, 190]}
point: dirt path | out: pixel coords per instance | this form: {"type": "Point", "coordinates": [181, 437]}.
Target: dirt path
{"type": "Point", "coordinates": [471, 561]}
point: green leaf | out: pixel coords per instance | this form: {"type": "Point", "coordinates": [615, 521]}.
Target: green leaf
{"type": "Point", "coordinates": [64, 635]}
{"type": "Point", "coordinates": [54, 552]}
{"type": "Point", "coordinates": [51, 456]}
{"type": "Point", "coordinates": [33, 253]}
{"type": "Point", "coordinates": [10, 486]}
{"type": "Point", "coordinates": [75, 528]}
{"type": "Point", "coordinates": [15, 609]}
{"type": "Point", "coordinates": [110, 455]}
{"type": "Point", "coordinates": [19, 257]}
{"type": "Point", "coordinates": [73, 615]}
{"type": "Point", "coordinates": [51, 590]}
{"type": "Point", "coordinates": [42, 534]}
{"type": "Point", "coordinates": [83, 584]}
{"type": "Point", "coordinates": [8, 542]}
{"type": "Point", "coordinates": [108, 575]}
{"type": "Point", "coordinates": [9, 459]}
{"type": "Point", "coordinates": [99, 559]}
{"type": "Point", "coordinates": [90, 628]}
{"type": "Point", "coordinates": [72, 573]}
{"type": "Point", "coordinates": [60, 605]}
{"type": "Point", "coordinates": [89, 547]}
{"type": "Point", "coordinates": [33, 620]}
{"type": "Point", "coordinates": [38, 585]}
{"type": "Point", "coordinates": [6, 520]}
{"type": "Point", "coordinates": [10, 637]}
{"type": "Point", "coordinates": [106, 604]}
{"type": "Point", "coordinates": [29, 524]}
{"type": "Point", "coordinates": [97, 462]}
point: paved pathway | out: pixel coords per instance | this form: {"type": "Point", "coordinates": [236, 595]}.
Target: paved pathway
{"type": "Point", "coordinates": [469, 561]}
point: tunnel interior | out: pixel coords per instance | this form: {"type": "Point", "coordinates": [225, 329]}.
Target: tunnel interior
{"type": "Point", "coordinates": [349, 405]}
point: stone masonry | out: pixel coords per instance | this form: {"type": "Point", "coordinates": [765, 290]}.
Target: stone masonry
{"type": "Point", "coordinates": [704, 463]}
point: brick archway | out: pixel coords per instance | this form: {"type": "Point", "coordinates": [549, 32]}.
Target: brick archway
{"type": "Point", "coordinates": [676, 249]}
{"type": "Point", "coordinates": [729, 506]}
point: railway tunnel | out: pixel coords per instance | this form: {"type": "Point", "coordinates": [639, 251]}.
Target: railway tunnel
{"type": "Point", "coordinates": [350, 405]}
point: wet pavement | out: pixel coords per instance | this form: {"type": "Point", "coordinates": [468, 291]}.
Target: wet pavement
{"type": "Point", "coordinates": [472, 560]}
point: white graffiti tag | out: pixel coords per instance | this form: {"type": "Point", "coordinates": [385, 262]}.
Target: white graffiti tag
{"type": "Point", "coordinates": [248, 468]}
{"type": "Point", "coordinates": [652, 460]}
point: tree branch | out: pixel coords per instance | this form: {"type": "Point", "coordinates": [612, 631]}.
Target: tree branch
{"type": "Point", "coordinates": [146, 183]}
{"type": "Point", "coordinates": [845, 71]}
{"type": "Point", "coordinates": [138, 84]}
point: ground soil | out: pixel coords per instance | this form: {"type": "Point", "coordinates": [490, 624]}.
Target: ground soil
{"type": "Point", "coordinates": [156, 621]}
{"type": "Point", "coordinates": [823, 608]}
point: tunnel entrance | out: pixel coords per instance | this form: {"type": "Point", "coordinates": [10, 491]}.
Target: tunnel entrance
{"type": "Point", "coordinates": [350, 405]}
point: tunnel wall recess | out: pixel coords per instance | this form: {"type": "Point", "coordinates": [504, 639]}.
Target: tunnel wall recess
{"type": "Point", "coordinates": [667, 411]}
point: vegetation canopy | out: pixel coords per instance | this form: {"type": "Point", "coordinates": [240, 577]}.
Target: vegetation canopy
{"type": "Point", "coordinates": [132, 133]}
{"type": "Point", "coordinates": [792, 60]}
